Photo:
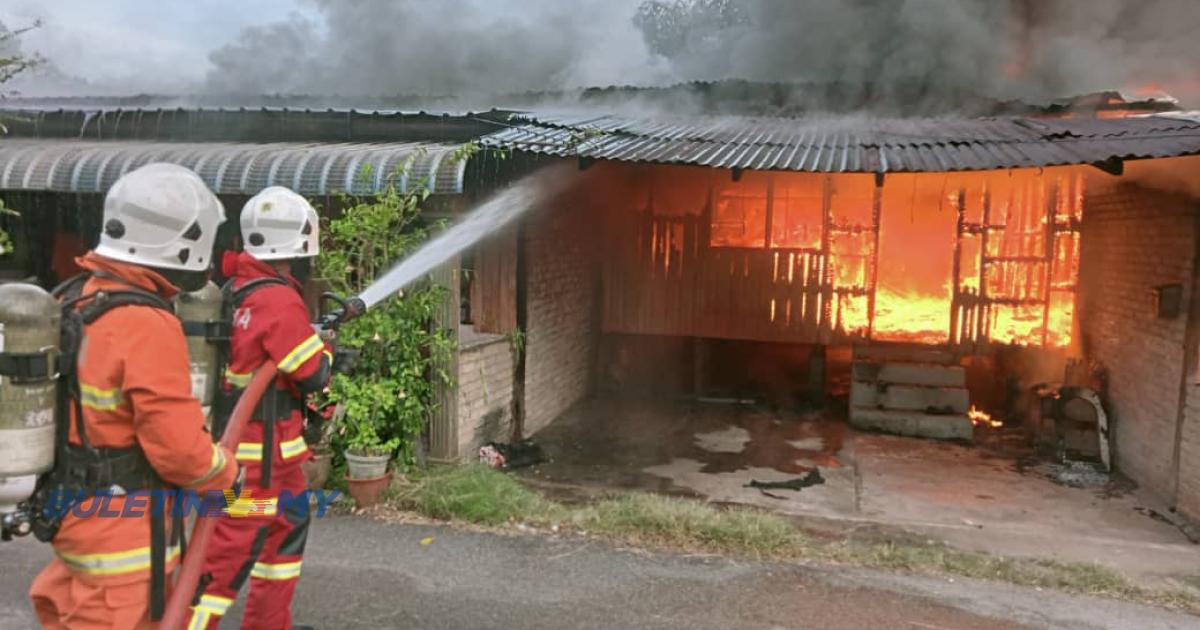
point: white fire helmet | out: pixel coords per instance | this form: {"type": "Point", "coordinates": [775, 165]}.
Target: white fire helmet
{"type": "Point", "coordinates": [278, 224]}
{"type": "Point", "coordinates": [161, 215]}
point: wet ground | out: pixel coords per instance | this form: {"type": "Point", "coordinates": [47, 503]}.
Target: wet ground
{"type": "Point", "coordinates": [993, 496]}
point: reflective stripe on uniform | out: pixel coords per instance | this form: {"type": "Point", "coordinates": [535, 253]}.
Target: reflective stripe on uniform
{"type": "Point", "coordinates": [246, 505]}
{"type": "Point", "coordinates": [115, 563]}
{"type": "Point", "coordinates": [99, 399]}
{"type": "Point", "coordinates": [249, 452]}
{"type": "Point", "coordinates": [199, 620]}
{"type": "Point", "coordinates": [301, 353]}
{"type": "Point", "coordinates": [217, 465]}
{"type": "Point", "coordinates": [292, 449]}
{"type": "Point", "coordinates": [283, 571]}
{"type": "Point", "coordinates": [237, 379]}
{"type": "Point", "coordinates": [209, 605]}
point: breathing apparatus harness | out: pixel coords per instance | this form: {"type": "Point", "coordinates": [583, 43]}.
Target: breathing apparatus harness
{"type": "Point", "coordinates": [276, 404]}
{"type": "Point", "coordinates": [83, 471]}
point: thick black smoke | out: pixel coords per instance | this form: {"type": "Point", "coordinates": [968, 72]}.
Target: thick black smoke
{"type": "Point", "coordinates": [1031, 49]}
{"type": "Point", "coordinates": [1003, 48]}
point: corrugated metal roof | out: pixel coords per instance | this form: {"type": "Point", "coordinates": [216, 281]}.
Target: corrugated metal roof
{"type": "Point", "coordinates": [846, 145]}
{"type": "Point", "coordinates": [266, 124]}
{"type": "Point", "coordinates": [232, 168]}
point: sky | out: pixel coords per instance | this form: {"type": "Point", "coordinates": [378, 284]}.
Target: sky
{"type": "Point", "coordinates": [928, 50]}
{"type": "Point", "coordinates": [143, 45]}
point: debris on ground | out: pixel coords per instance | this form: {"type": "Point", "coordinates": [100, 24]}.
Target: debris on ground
{"type": "Point", "coordinates": [509, 456]}
{"type": "Point", "coordinates": [1153, 514]}
{"type": "Point", "coordinates": [1078, 474]}
{"type": "Point", "coordinates": [1190, 531]}
{"type": "Point", "coordinates": [813, 478]}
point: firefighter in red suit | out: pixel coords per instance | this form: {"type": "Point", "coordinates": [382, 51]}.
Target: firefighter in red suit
{"type": "Point", "coordinates": [261, 540]}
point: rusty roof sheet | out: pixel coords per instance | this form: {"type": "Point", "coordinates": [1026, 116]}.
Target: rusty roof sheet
{"type": "Point", "coordinates": [232, 168]}
{"type": "Point", "coordinates": [848, 144]}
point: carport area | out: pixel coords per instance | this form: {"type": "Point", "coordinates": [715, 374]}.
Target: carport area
{"type": "Point", "coordinates": [992, 495]}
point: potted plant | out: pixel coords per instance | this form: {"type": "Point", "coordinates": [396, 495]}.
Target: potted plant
{"type": "Point", "coordinates": [317, 468]}
{"type": "Point", "coordinates": [387, 399]}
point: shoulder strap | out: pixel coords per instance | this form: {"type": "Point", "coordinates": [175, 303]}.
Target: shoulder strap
{"type": "Point", "coordinates": [70, 288]}
{"type": "Point", "coordinates": [79, 311]}
{"type": "Point", "coordinates": [101, 302]}
{"type": "Point", "coordinates": [241, 293]}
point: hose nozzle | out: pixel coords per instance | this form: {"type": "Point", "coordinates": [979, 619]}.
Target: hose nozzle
{"type": "Point", "coordinates": [347, 310]}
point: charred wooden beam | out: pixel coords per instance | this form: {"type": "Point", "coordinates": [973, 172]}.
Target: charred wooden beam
{"type": "Point", "coordinates": [956, 288]}
{"type": "Point", "coordinates": [980, 330]}
{"type": "Point", "coordinates": [826, 317]}
{"type": "Point", "coordinates": [872, 281]}
{"type": "Point", "coordinates": [1048, 277]}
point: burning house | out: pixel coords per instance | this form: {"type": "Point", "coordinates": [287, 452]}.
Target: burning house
{"type": "Point", "coordinates": [938, 275]}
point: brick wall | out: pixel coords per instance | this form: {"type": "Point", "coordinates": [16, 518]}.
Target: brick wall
{"type": "Point", "coordinates": [561, 324]}
{"type": "Point", "coordinates": [485, 379]}
{"type": "Point", "coordinates": [1133, 240]}
{"type": "Point", "coordinates": [1188, 498]}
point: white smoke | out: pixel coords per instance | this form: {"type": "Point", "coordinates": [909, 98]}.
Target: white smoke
{"type": "Point", "coordinates": [436, 48]}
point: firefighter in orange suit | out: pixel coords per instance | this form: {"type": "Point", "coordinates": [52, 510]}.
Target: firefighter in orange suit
{"type": "Point", "coordinates": [139, 419]}
{"type": "Point", "coordinates": [270, 322]}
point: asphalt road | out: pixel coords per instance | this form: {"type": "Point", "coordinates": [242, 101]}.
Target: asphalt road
{"type": "Point", "coordinates": [362, 573]}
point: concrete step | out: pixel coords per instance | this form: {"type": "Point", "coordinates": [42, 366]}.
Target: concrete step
{"type": "Point", "coordinates": [926, 374]}
{"type": "Point", "coordinates": [904, 353]}
{"type": "Point", "coordinates": [912, 423]}
{"type": "Point", "coordinates": [910, 397]}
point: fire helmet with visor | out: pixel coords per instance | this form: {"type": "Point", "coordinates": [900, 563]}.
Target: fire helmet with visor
{"type": "Point", "coordinates": [278, 224]}
{"type": "Point", "coordinates": [161, 216]}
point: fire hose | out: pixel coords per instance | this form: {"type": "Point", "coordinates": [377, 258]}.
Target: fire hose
{"type": "Point", "coordinates": [193, 562]}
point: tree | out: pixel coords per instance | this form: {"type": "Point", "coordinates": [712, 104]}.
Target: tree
{"type": "Point", "coordinates": [669, 28]}
{"type": "Point", "coordinates": [12, 63]}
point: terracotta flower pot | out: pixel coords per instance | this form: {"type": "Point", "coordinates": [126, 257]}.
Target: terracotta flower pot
{"type": "Point", "coordinates": [366, 491]}
{"type": "Point", "coordinates": [316, 470]}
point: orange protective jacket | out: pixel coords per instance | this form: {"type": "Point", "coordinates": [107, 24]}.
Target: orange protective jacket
{"type": "Point", "coordinates": [136, 389]}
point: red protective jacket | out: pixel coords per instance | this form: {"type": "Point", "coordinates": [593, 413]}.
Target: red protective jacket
{"type": "Point", "coordinates": [272, 324]}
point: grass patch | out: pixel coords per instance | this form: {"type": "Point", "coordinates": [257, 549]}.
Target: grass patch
{"type": "Point", "coordinates": [690, 524]}
{"type": "Point", "coordinates": [476, 494]}
{"type": "Point", "coordinates": [1191, 580]}
{"type": "Point", "coordinates": [938, 558]}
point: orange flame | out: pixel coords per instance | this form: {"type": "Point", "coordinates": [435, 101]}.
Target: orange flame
{"type": "Point", "coordinates": [982, 418]}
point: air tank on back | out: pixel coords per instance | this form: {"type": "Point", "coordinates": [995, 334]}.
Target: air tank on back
{"type": "Point", "coordinates": [29, 337]}
{"type": "Point", "coordinates": [201, 313]}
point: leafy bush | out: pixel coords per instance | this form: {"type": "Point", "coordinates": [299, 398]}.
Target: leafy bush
{"type": "Point", "coordinates": [389, 396]}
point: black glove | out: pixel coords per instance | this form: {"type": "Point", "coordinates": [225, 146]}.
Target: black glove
{"type": "Point", "coordinates": [313, 427]}
{"type": "Point", "coordinates": [239, 481]}
{"type": "Point", "coordinates": [344, 360]}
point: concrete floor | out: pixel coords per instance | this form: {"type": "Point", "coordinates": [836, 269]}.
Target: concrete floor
{"type": "Point", "coordinates": [365, 573]}
{"type": "Point", "coordinates": [993, 496]}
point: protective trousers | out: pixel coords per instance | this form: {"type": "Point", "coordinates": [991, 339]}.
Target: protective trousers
{"type": "Point", "coordinates": [265, 546]}
{"type": "Point", "coordinates": [64, 599]}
